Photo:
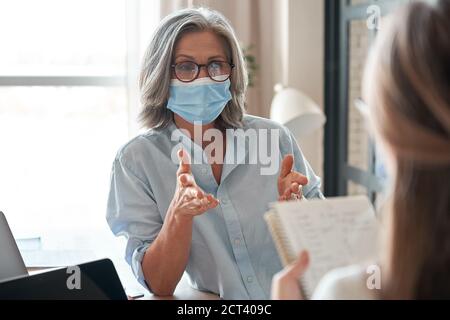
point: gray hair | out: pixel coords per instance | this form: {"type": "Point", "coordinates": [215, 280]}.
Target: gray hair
{"type": "Point", "coordinates": [155, 75]}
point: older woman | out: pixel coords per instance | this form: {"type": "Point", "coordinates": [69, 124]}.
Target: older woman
{"type": "Point", "coordinates": [204, 216]}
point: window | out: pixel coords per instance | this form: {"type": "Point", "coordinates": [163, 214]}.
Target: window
{"type": "Point", "coordinates": [68, 101]}
{"type": "Point", "coordinates": [351, 161]}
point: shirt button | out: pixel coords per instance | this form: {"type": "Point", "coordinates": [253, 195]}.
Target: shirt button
{"type": "Point", "coordinates": [249, 279]}
{"type": "Point", "coordinates": [237, 241]}
{"type": "Point", "coordinates": [204, 171]}
{"type": "Point", "coordinates": [224, 201]}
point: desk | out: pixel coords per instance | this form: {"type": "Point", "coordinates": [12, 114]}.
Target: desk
{"type": "Point", "coordinates": [105, 244]}
{"type": "Point", "coordinates": [184, 292]}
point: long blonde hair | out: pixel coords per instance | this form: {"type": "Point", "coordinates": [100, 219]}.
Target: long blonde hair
{"type": "Point", "coordinates": [409, 100]}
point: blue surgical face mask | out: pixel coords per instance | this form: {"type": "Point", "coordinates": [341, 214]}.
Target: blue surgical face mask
{"type": "Point", "coordinates": [202, 100]}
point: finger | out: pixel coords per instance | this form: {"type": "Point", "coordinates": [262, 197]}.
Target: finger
{"type": "Point", "coordinates": [188, 195]}
{"type": "Point", "coordinates": [207, 205]}
{"type": "Point", "coordinates": [287, 193]}
{"type": "Point", "coordinates": [186, 180]}
{"type": "Point", "coordinates": [299, 178]}
{"type": "Point", "coordinates": [298, 267]}
{"type": "Point", "coordinates": [194, 207]}
{"type": "Point", "coordinates": [200, 194]}
{"type": "Point", "coordinates": [205, 202]}
{"type": "Point", "coordinates": [286, 165]}
{"type": "Point", "coordinates": [213, 203]}
{"type": "Point", "coordinates": [185, 163]}
{"type": "Point", "coordinates": [200, 204]}
{"type": "Point", "coordinates": [285, 285]}
{"type": "Point", "coordinates": [211, 198]}
{"type": "Point", "coordinates": [196, 200]}
{"type": "Point", "coordinates": [198, 207]}
{"type": "Point", "coordinates": [295, 188]}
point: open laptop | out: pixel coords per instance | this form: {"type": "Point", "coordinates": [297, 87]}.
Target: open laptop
{"type": "Point", "coordinates": [11, 262]}
{"type": "Point", "coordinates": [96, 280]}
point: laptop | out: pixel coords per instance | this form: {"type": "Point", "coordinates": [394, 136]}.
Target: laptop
{"type": "Point", "coordinates": [96, 280]}
{"type": "Point", "coordinates": [11, 262]}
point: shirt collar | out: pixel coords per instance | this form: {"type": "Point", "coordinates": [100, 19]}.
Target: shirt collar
{"type": "Point", "coordinates": [236, 153]}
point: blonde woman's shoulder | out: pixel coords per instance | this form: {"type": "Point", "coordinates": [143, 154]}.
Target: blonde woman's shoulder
{"type": "Point", "coordinates": [347, 283]}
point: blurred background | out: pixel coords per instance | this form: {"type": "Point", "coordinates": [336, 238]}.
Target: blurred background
{"type": "Point", "coordinates": [69, 96]}
{"type": "Point", "coordinates": [69, 99]}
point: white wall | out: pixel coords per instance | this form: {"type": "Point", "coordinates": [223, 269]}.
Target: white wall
{"type": "Point", "coordinates": [306, 65]}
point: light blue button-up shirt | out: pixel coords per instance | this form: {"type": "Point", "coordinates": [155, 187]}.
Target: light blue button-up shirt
{"type": "Point", "coordinates": [232, 253]}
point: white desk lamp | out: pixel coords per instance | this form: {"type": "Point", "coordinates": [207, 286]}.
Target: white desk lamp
{"type": "Point", "coordinates": [296, 111]}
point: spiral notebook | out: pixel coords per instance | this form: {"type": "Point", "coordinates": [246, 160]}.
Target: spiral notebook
{"type": "Point", "coordinates": [336, 232]}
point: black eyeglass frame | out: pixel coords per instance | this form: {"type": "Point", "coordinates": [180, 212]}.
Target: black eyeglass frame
{"type": "Point", "coordinates": [200, 66]}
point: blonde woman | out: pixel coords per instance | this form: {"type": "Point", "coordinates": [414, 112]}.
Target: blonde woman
{"type": "Point", "coordinates": [407, 89]}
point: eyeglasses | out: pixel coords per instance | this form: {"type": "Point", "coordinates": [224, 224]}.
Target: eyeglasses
{"type": "Point", "coordinates": [188, 71]}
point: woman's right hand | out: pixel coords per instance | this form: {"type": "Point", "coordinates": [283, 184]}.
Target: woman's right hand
{"type": "Point", "coordinates": [285, 284]}
{"type": "Point", "coordinates": [189, 199]}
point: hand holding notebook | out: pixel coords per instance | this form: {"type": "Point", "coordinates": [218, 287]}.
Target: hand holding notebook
{"type": "Point", "coordinates": [336, 232]}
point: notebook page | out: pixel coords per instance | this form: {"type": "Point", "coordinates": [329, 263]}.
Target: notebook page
{"type": "Point", "coordinates": [336, 232]}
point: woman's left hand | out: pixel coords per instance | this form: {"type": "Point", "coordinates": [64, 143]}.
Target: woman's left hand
{"type": "Point", "coordinates": [290, 182]}
{"type": "Point", "coordinates": [285, 284]}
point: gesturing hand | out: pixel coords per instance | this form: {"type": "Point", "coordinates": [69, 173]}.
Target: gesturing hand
{"type": "Point", "coordinates": [189, 199]}
{"type": "Point", "coordinates": [290, 182]}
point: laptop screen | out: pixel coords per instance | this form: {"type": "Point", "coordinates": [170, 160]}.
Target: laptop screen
{"type": "Point", "coordinates": [97, 280]}
{"type": "Point", "coordinates": [11, 262]}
